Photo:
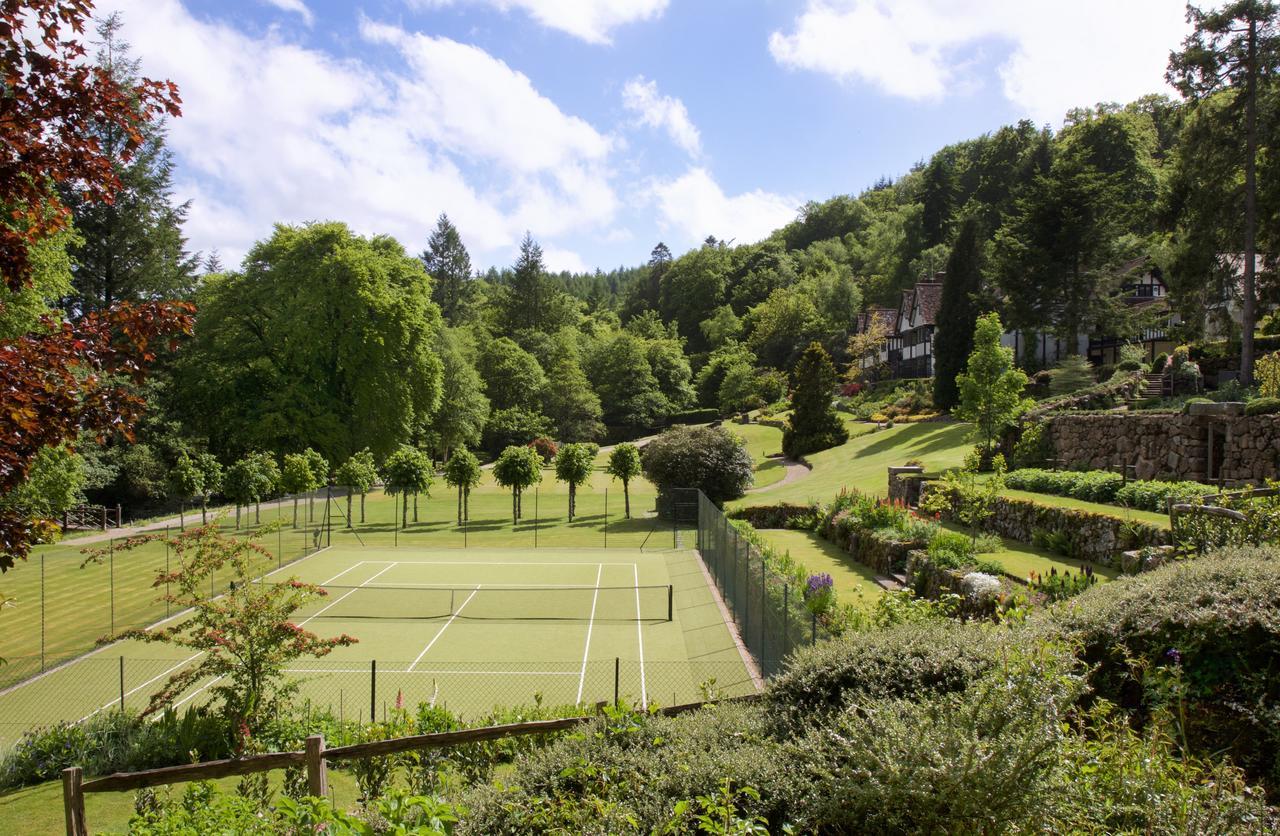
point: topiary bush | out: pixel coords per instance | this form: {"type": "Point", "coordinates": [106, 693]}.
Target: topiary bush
{"type": "Point", "coordinates": [1262, 406]}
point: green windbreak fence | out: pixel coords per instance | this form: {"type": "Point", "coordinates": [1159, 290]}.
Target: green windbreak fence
{"type": "Point", "coordinates": [768, 608]}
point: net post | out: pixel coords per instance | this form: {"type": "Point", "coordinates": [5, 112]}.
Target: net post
{"type": "Point", "coordinates": [617, 678]}
{"type": "Point", "coordinates": [395, 525]}
{"type": "Point", "coordinates": [535, 517]}
{"type": "Point", "coordinates": [328, 516]}
{"type": "Point", "coordinates": [167, 603]}
{"type": "Point", "coordinates": [373, 689]}
{"type": "Point", "coordinates": [121, 684]}
{"type": "Point", "coordinates": [670, 601]}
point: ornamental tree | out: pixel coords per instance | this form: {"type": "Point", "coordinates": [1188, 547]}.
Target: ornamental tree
{"type": "Point", "coordinates": [814, 423]}
{"type": "Point", "coordinates": [241, 484]}
{"type": "Point", "coordinates": [320, 476]}
{"type": "Point", "coordinates": [187, 480]}
{"type": "Point", "coordinates": [296, 477]}
{"type": "Point", "coordinates": [518, 468]}
{"type": "Point", "coordinates": [991, 388]}
{"type": "Point", "coordinates": [245, 639]}
{"type": "Point", "coordinates": [407, 472]}
{"type": "Point", "coordinates": [574, 463]}
{"type": "Point", "coordinates": [624, 465]}
{"type": "Point", "coordinates": [357, 474]}
{"type": "Point", "coordinates": [267, 474]}
{"type": "Point", "coordinates": [210, 481]}
{"type": "Point", "coordinates": [462, 471]}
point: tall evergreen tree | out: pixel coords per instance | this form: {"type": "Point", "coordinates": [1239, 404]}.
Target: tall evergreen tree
{"type": "Point", "coordinates": [449, 265]}
{"type": "Point", "coordinates": [814, 423]}
{"type": "Point", "coordinates": [131, 249]}
{"type": "Point", "coordinates": [528, 286]}
{"type": "Point", "coordinates": [1235, 48]}
{"type": "Point", "coordinates": [957, 314]}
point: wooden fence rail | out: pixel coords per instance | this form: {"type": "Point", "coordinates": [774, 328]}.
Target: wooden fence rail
{"type": "Point", "coordinates": [314, 757]}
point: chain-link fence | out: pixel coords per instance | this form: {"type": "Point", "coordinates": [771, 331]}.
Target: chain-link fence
{"type": "Point", "coordinates": [358, 689]}
{"type": "Point", "coordinates": [67, 598]}
{"type": "Point", "coordinates": [768, 609]}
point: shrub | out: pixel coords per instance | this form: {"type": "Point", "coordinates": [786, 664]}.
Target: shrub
{"type": "Point", "coordinates": [1267, 371]}
{"type": "Point", "coordinates": [1071, 374]}
{"type": "Point", "coordinates": [1105, 487]}
{"type": "Point", "coordinates": [1155, 496]}
{"type": "Point", "coordinates": [709, 458]}
{"type": "Point", "coordinates": [814, 424]}
{"type": "Point", "coordinates": [1262, 406]}
{"type": "Point", "coordinates": [545, 448]}
{"type": "Point", "coordinates": [695, 416]}
{"type": "Point", "coordinates": [1034, 447]}
{"type": "Point", "coordinates": [1205, 633]}
{"type": "Point", "coordinates": [1160, 362]}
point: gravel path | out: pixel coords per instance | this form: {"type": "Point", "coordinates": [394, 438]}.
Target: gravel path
{"type": "Point", "coordinates": [795, 472]}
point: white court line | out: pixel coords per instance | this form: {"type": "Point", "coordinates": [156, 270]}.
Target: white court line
{"type": "Point", "coordinates": [433, 672]}
{"type": "Point", "coordinates": [440, 633]}
{"type": "Point", "coordinates": [586, 650]}
{"type": "Point", "coordinates": [189, 659]}
{"type": "Point", "coordinates": [486, 586]}
{"type": "Point", "coordinates": [644, 695]}
{"type": "Point", "coordinates": [320, 612]}
{"type": "Point", "coordinates": [489, 563]}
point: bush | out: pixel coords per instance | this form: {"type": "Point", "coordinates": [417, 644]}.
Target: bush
{"type": "Point", "coordinates": [1160, 362]}
{"type": "Point", "coordinates": [708, 458]}
{"type": "Point", "coordinates": [695, 416]}
{"type": "Point", "coordinates": [1072, 374]}
{"type": "Point", "coordinates": [1202, 636]}
{"type": "Point", "coordinates": [1155, 496]}
{"type": "Point", "coordinates": [1262, 406]}
{"type": "Point", "coordinates": [545, 448]}
{"type": "Point", "coordinates": [513, 428]}
{"type": "Point", "coordinates": [1034, 447]}
{"type": "Point", "coordinates": [1105, 487]}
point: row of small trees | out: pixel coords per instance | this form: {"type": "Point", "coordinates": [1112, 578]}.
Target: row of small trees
{"type": "Point", "coordinates": [407, 472]}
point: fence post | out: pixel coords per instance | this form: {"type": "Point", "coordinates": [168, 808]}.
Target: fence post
{"type": "Point", "coordinates": [813, 629]}
{"type": "Point", "coordinates": [42, 611]}
{"type": "Point", "coordinates": [606, 521]}
{"type": "Point", "coordinates": [535, 517]}
{"type": "Point", "coordinates": [617, 678]}
{"type": "Point", "coordinates": [167, 603]}
{"type": "Point", "coordinates": [73, 801]}
{"type": "Point", "coordinates": [373, 690]}
{"type": "Point", "coordinates": [121, 684]}
{"type": "Point", "coordinates": [111, 570]}
{"type": "Point", "coordinates": [317, 769]}
{"type": "Point", "coordinates": [671, 606]}
{"type": "Point", "coordinates": [764, 614]}
{"type": "Point", "coordinates": [786, 618]}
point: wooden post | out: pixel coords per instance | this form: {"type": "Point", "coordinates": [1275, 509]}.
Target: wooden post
{"type": "Point", "coordinates": [73, 801]}
{"type": "Point", "coordinates": [317, 771]}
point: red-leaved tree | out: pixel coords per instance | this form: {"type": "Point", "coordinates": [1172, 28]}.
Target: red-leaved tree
{"type": "Point", "coordinates": [64, 378]}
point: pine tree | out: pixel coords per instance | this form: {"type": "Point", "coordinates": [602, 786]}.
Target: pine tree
{"type": "Point", "coordinates": [528, 287]}
{"type": "Point", "coordinates": [957, 314]}
{"type": "Point", "coordinates": [449, 266]}
{"type": "Point", "coordinates": [133, 248]}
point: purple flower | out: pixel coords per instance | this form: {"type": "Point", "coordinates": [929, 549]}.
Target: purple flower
{"type": "Point", "coordinates": [1174, 655]}
{"type": "Point", "coordinates": [818, 585]}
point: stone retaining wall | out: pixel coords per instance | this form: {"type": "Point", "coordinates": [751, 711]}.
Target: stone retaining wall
{"type": "Point", "coordinates": [1198, 448]}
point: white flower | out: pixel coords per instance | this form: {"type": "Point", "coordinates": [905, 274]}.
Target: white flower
{"type": "Point", "coordinates": [978, 585]}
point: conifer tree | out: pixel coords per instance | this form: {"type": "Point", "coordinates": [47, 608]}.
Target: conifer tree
{"type": "Point", "coordinates": [814, 424]}
{"type": "Point", "coordinates": [957, 314]}
{"type": "Point", "coordinates": [449, 266]}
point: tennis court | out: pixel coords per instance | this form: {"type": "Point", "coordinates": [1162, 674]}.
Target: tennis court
{"type": "Point", "coordinates": [470, 630]}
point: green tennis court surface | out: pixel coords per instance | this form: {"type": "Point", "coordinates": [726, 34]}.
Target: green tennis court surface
{"type": "Point", "coordinates": [467, 629]}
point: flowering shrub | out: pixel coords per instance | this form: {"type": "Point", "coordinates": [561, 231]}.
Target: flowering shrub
{"type": "Point", "coordinates": [819, 593]}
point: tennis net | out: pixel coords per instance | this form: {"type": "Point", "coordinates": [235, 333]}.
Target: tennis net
{"type": "Point", "coordinates": [512, 603]}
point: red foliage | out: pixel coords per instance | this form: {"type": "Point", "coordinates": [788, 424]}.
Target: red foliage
{"type": "Point", "coordinates": [545, 448]}
{"type": "Point", "coordinates": [52, 100]}
{"type": "Point", "coordinates": [65, 379]}
{"type": "Point", "coordinates": [850, 389]}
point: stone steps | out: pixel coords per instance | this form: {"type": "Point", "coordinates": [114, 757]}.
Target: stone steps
{"type": "Point", "coordinates": [892, 583]}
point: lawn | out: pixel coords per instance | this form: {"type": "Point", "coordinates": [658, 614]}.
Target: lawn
{"type": "Point", "coordinates": [762, 442]}
{"type": "Point", "coordinates": [1021, 559]}
{"type": "Point", "coordinates": [862, 463]}
{"type": "Point", "coordinates": [853, 581]}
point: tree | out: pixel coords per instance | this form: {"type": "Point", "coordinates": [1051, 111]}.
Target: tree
{"type": "Point", "coordinates": [624, 465]}
{"type": "Point", "coordinates": [132, 248]}
{"type": "Point", "coordinates": [187, 480]}
{"type": "Point", "coordinates": [54, 104]}
{"type": "Point", "coordinates": [464, 409]}
{"type": "Point", "coordinates": [1235, 48]}
{"type": "Point", "coordinates": [62, 380]}
{"type": "Point", "coordinates": [407, 471]}
{"type": "Point", "coordinates": [462, 471]}
{"type": "Point", "coordinates": [320, 476]}
{"type": "Point", "coordinates": [518, 468]}
{"type": "Point", "coordinates": [739, 390]}
{"type": "Point", "coordinates": [532, 296]}
{"type": "Point", "coordinates": [210, 481]}
{"type": "Point", "coordinates": [513, 427]}
{"type": "Point", "coordinates": [814, 424]}
{"type": "Point", "coordinates": [357, 474]}
{"type": "Point", "coordinates": [449, 265]}
{"type": "Point", "coordinates": [707, 458]}
{"type": "Point", "coordinates": [245, 639]}
{"type": "Point", "coordinates": [266, 474]}
{"type": "Point", "coordinates": [624, 380]}
{"type": "Point", "coordinates": [241, 484]}
{"type": "Point", "coordinates": [691, 288]}
{"type": "Point", "coordinates": [324, 339]}
{"type": "Point", "coordinates": [55, 483]}
{"type": "Point", "coordinates": [297, 477]}
{"type": "Point", "coordinates": [574, 464]}
{"type": "Point", "coordinates": [573, 408]}
{"type": "Point", "coordinates": [957, 313]}
{"type": "Point", "coordinates": [512, 376]}
{"type": "Point", "coordinates": [991, 387]}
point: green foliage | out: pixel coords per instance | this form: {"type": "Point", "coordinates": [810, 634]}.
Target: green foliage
{"type": "Point", "coordinates": [1034, 447]}
{"type": "Point", "coordinates": [957, 313]}
{"type": "Point", "coordinates": [814, 423]}
{"type": "Point", "coordinates": [358, 473]}
{"type": "Point", "coordinates": [464, 409]}
{"type": "Point", "coordinates": [55, 483]}
{"type": "Point", "coordinates": [462, 471]}
{"type": "Point", "coordinates": [513, 427]}
{"type": "Point", "coordinates": [518, 468]}
{"type": "Point", "coordinates": [624, 465]}
{"type": "Point", "coordinates": [570, 404]}
{"type": "Point", "coordinates": [326, 339]}
{"type": "Point", "coordinates": [512, 377]}
{"type": "Point", "coordinates": [991, 388]}
{"type": "Point", "coordinates": [1071, 374]}
{"type": "Point", "coordinates": [1059, 587]}
{"type": "Point", "coordinates": [574, 464]}
{"type": "Point", "coordinates": [962, 494]}
{"type": "Point", "coordinates": [708, 458]}
{"type": "Point", "coordinates": [407, 472]}
{"type": "Point", "coordinates": [186, 478]}
{"type": "Point", "coordinates": [624, 378]}
{"type": "Point", "coordinates": [297, 476]}
{"type": "Point", "coordinates": [1262, 406]}
{"type": "Point", "coordinates": [1267, 374]}
{"type": "Point", "coordinates": [449, 266]}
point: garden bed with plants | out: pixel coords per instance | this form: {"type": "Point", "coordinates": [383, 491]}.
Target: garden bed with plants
{"type": "Point", "coordinates": [1103, 487]}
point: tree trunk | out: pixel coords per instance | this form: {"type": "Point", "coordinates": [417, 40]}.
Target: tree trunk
{"type": "Point", "coordinates": [515, 506]}
{"type": "Point", "coordinates": [571, 498]}
{"type": "Point", "coordinates": [257, 512]}
{"type": "Point", "coordinates": [415, 506]}
{"type": "Point", "coordinates": [349, 509]}
{"type": "Point", "coordinates": [362, 507]}
{"type": "Point", "coordinates": [311, 507]}
{"type": "Point", "coordinates": [460, 505]}
{"type": "Point", "coordinates": [295, 512]}
{"type": "Point", "coordinates": [237, 516]}
{"type": "Point", "coordinates": [1248, 313]}
{"type": "Point", "coordinates": [182, 518]}
{"type": "Point", "coordinates": [204, 511]}
{"type": "Point", "coordinates": [626, 497]}
{"type": "Point", "coordinates": [466, 505]}
{"type": "Point", "coordinates": [404, 512]}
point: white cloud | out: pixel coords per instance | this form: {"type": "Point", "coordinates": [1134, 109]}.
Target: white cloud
{"type": "Point", "coordinates": [694, 206]}
{"type": "Point", "coordinates": [558, 259]}
{"type": "Point", "coordinates": [591, 20]}
{"type": "Point", "coordinates": [298, 7]}
{"type": "Point", "coordinates": [273, 131]}
{"type": "Point", "coordinates": [655, 110]}
{"type": "Point", "coordinates": [1063, 55]}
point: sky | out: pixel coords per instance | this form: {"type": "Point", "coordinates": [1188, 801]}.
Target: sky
{"type": "Point", "coordinates": [603, 126]}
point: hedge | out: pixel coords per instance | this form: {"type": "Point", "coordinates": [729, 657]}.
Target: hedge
{"type": "Point", "coordinates": [1105, 487]}
{"type": "Point", "coordinates": [695, 416]}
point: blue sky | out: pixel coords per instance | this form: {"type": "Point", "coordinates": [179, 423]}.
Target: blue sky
{"type": "Point", "coordinates": [603, 126]}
